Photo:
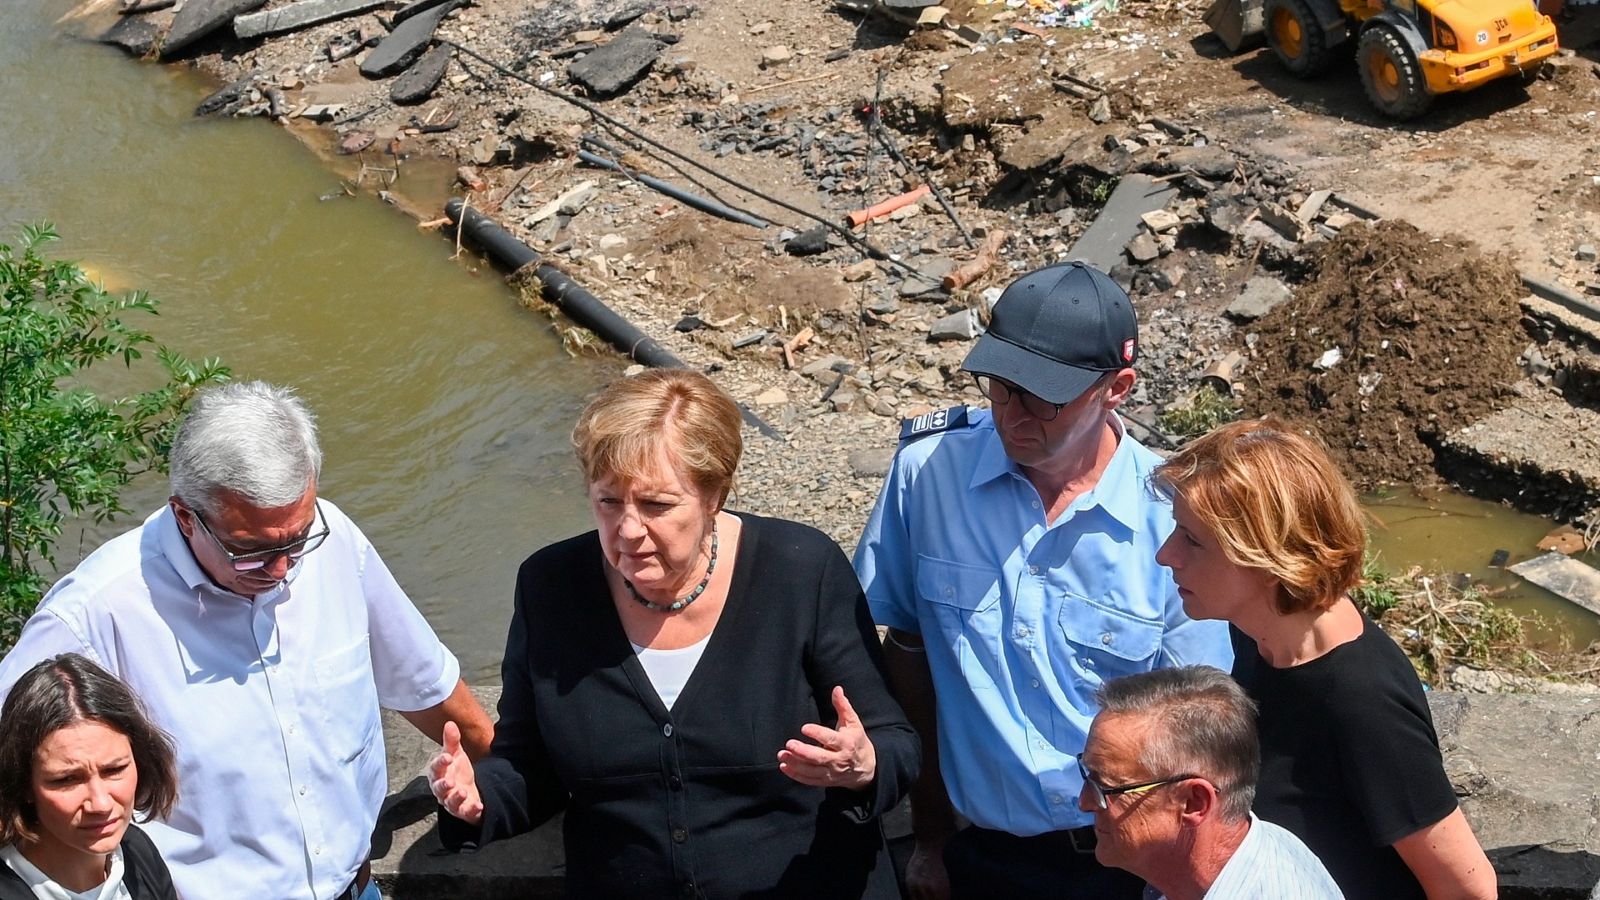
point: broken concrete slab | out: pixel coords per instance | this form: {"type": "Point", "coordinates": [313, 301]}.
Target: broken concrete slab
{"type": "Point", "coordinates": [1313, 205]}
{"type": "Point", "coordinates": [928, 283]}
{"type": "Point", "coordinates": [958, 326]}
{"type": "Point", "coordinates": [407, 42]}
{"type": "Point", "coordinates": [411, 9]}
{"type": "Point", "coordinates": [1119, 220]}
{"type": "Point", "coordinates": [1565, 577]}
{"type": "Point", "coordinates": [417, 83]}
{"type": "Point", "coordinates": [615, 67]}
{"type": "Point", "coordinates": [199, 18]}
{"type": "Point", "coordinates": [1160, 220]}
{"type": "Point", "coordinates": [135, 34]}
{"type": "Point", "coordinates": [549, 23]}
{"type": "Point", "coordinates": [1142, 248]}
{"type": "Point", "coordinates": [1509, 455]}
{"type": "Point", "coordinates": [298, 15]}
{"type": "Point", "coordinates": [1260, 294]}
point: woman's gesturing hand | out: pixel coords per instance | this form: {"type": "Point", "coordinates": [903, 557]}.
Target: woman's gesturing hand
{"type": "Point", "coordinates": [841, 757]}
{"type": "Point", "coordinates": [452, 780]}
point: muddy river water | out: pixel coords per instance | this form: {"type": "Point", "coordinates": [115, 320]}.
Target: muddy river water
{"type": "Point", "coordinates": [444, 407]}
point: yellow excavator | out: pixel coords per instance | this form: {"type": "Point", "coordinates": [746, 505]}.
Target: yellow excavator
{"type": "Point", "coordinates": [1408, 51]}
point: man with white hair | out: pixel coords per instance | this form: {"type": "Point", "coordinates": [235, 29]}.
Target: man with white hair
{"type": "Point", "coordinates": [1169, 773]}
{"type": "Point", "coordinates": [263, 632]}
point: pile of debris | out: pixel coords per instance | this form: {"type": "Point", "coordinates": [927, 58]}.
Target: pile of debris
{"type": "Point", "coordinates": [1395, 340]}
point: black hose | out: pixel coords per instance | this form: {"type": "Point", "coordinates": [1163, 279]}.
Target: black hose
{"type": "Point", "coordinates": [864, 246]}
{"type": "Point", "coordinates": [695, 200]}
{"type": "Point", "coordinates": [573, 298]}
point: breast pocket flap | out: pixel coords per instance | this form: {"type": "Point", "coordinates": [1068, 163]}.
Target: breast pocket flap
{"type": "Point", "coordinates": [956, 585]}
{"type": "Point", "coordinates": [1102, 628]}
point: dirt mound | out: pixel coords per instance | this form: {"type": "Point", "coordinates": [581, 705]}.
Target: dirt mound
{"type": "Point", "coordinates": [1396, 338]}
{"type": "Point", "coordinates": [717, 269]}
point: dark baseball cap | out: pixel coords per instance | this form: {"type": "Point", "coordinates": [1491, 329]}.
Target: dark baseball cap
{"type": "Point", "coordinates": [1056, 330]}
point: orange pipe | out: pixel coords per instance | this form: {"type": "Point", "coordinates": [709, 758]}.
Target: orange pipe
{"type": "Point", "coordinates": [862, 216]}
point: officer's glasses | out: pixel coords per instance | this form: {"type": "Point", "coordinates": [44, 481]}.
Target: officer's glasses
{"type": "Point", "coordinates": [1099, 792]}
{"type": "Point", "coordinates": [998, 390]}
{"type": "Point", "coordinates": [258, 559]}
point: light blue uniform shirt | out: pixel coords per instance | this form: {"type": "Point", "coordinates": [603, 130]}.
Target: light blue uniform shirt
{"type": "Point", "coordinates": [1023, 620]}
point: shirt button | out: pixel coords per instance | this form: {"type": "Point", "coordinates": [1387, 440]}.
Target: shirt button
{"type": "Point", "coordinates": [1055, 799]}
{"type": "Point", "coordinates": [679, 835]}
{"type": "Point", "coordinates": [1022, 632]}
{"type": "Point", "coordinates": [949, 592]}
{"type": "Point", "coordinates": [1035, 504]}
{"type": "Point", "coordinates": [675, 783]}
{"type": "Point", "coordinates": [1034, 682]}
{"type": "Point", "coordinates": [666, 730]}
{"type": "Point", "coordinates": [1106, 638]}
{"type": "Point", "coordinates": [302, 792]}
{"type": "Point", "coordinates": [291, 729]}
{"type": "Point", "coordinates": [686, 889]}
{"type": "Point", "coordinates": [316, 851]}
{"type": "Point", "coordinates": [1033, 570]}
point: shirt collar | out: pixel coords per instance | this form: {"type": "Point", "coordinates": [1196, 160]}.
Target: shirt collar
{"type": "Point", "coordinates": [1117, 492]}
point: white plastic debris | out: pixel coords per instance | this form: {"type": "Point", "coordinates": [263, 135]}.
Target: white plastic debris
{"type": "Point", "coordinates": [1328, 359]}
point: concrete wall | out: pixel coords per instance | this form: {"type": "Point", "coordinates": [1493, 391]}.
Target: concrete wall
{"type": "Point", "coordinates": [1526, 767]}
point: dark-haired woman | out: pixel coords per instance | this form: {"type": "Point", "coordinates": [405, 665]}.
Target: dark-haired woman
{"type": "Point", "coordinates": [78, 761]}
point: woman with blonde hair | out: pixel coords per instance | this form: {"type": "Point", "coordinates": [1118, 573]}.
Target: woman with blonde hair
{"type": "Point", "coordinates": [1271, 539]}
{"type": "Point", "coordinates": [701, 691]}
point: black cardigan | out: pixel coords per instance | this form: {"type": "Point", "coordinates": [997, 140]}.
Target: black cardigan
{"type": "Point", "coordinates": [143, 871]}
{"type": "Point", "coordinates": [691, 803]}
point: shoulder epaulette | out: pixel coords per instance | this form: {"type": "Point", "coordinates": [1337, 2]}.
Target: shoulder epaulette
{"type": "Point", "coordinates": [939, 420]}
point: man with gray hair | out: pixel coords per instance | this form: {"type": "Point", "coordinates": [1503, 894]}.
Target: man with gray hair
{"type": "Point", "coordinates": [1169, 773]}
{"type": "Point", "coordinates": [263, 632]}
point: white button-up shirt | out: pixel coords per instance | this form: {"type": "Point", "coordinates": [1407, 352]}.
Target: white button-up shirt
{"type": "Point", "coordinates": [272, 701]}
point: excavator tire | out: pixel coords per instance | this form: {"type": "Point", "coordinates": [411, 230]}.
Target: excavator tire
{"type": "Point", "coordinates": [1391, 74]}
{"type": "Point", "coordinates": [1296, 36]}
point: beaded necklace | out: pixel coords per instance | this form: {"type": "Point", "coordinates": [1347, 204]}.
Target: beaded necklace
{"type": "Point", "coordinates": [692, 595]}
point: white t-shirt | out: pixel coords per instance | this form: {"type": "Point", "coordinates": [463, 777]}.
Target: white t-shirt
{"type": "Point", "coordinates": [46, 889]}
{"type": "Point", "coordinates": [669, 670]}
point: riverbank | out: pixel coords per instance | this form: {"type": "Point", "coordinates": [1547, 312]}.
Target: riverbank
{"type": "Point", "coordinates": [1246, 262]}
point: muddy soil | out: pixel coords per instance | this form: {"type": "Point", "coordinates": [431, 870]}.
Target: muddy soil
{"type": "Point", "coordinates": [1395, 339]}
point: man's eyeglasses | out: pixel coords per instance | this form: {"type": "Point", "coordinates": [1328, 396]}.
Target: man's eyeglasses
{"type": "Point", "coordinates": [258, 559]}
{"type": "Point", "coordinates": [1099, 792]}
{"type": "Point", "coordinates": [1001, 391]}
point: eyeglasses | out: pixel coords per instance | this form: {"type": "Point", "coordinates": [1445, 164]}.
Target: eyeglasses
{"type": "Point", "coordinates": [258, 559]}
{"type": "Point", "coordinates": [1099, 792]}
{"type": "Point", "coordinates": [1001, 391]}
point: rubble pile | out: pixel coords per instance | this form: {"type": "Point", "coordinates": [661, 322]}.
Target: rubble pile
{"type": "Point", "coordinates": [1395, 340]}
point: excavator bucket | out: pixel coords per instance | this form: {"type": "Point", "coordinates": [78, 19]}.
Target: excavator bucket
{"type": "Point", "coordinates": [1238, 23]}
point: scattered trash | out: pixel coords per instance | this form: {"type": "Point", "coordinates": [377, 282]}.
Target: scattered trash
{"type": "Point", "coordinates": [1328, 359]}
{"type": "Point", "coordinates": [862, 216]}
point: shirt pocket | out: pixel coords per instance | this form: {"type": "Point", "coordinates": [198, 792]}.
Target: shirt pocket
{"type": "Point", "coordinates": [1102, 643]}
{"type": "Point", "coordinates": [349, 700]}
{"type": "Point", "coordinates": [964, 602]}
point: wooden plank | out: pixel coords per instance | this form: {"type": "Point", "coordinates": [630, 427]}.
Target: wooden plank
{"type": "Point", "coordinates": [1565, 577]}
{"type": "Point", "coordinates": [298, 15]}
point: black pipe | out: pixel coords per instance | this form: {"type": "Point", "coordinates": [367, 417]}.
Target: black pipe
{"type": "Point", "coordinates": [573, 298]}
{"type": "Point", "coordinates": [677, 193]}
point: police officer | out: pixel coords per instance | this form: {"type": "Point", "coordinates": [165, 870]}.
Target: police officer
{"type": "Point", "coordinates": [1011, 554]}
